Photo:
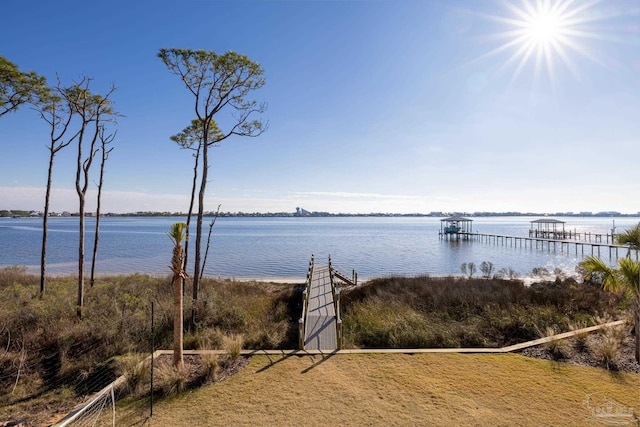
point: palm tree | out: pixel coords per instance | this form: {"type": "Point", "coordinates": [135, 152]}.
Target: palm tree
{"type": "Point", "coordinates": [177, 234]}
{"type": "Point", "coordinates": [630, 237]}
{"type": "Point", "coordinates": [624, 278]}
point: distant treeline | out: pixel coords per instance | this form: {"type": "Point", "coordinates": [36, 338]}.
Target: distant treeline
{"type": "Point", "coordinates": [6, 213]}
{"type": "Point", "coordinates": [26, 213]}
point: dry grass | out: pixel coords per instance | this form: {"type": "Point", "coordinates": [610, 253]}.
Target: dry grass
{"type": "Point", "coordinates": [210, 365]}
{"type": "Point", "coordinates": [233, 345]}
{"type": "Point", "coordinates": [610, 345]}
{"type": "Point", "coordinates": [424, 389]}
{"type": "Point", "coordinates": [74, 357]}
{"type": "Point", "coordinates": [44, 346]}
{"type": "Point", "coordinates": [423, 312]}
{"type": "Point", "coordinates": [173, 379]}
{"type": "Point", "coordinates": [135, 371]}
{"type": "Point", "coordinates": [557, 348]}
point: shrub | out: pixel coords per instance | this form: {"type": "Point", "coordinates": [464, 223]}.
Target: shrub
{"type": "Point", "coordinates": [581, 338]}
{"type": "Point", "coordinates": [190, 341]}
{"type": "Point", "coordinates": [468, 268]}
{"type": "Point", "coordinates": [608, 349]}
{"type": "Point", "coordinates": [16, 274]}
{"type": "Point", "coordinates": [507, 273]}
{"type": "Point", "coordinates": [233, 345]}
{"type": "Point", "coordinates": [486, 268]}
{"type": "Point", "coordinates": [135, 370]}
{"type": "Point", "coordinates": [609, 346]}
{"type": "Point", "coordinates": [204, 339]}
{"type": "Point", "coordinates": [172, 380]}
{"type": "Point", "coordinates": [558, 349]}
{"type": "Point", "coordinates": [263, 313]}
{"type": "Point", "coordinates": [210, 365]}
{"type": "Point", "coordinates": [465, 312]}
{"type": "Point", "coordinates": [267, 338]}
{"type": "Point", "coordinates": [64, 352]}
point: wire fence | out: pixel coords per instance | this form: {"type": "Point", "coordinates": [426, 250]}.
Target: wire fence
{"type": "Point", "coordinates": [99, 407]}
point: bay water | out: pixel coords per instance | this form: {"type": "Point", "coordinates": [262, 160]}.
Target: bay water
{"type": "Point", "coordinates": [279, 248]}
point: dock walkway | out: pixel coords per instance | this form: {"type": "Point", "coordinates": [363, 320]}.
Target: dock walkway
{"type": "Point", "coordinates": [614, 251]}
{"type": "Point", "coordinates": [321, 314]}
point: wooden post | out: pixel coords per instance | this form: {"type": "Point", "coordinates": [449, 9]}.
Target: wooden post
{"type": "Point", "coordinates": [301, 334]}
{"type": "Point", "coordinates": [301, 320]}
{"type": "Point", "coordinates": [338, 320]}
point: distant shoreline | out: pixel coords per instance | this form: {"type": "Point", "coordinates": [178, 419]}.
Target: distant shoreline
{"type": "Point", "coordinates": [306, 214]}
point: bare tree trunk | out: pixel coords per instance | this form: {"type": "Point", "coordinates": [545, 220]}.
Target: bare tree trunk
{"type": "Point", "coordinates": [58, 116]}
{"type": "Point", "coordinates": [206, 252]}
{"type": "Point", "coordinates": [81, 187]}
{"type": "Point", "coordinates": [80, 301]}
{"type": "Point", "coordinates": [96, 238]}
{"type": "Point", "coordinates": [94, 109]}
{"type": "Point", "coordinates": [196, 273]}
{"type": "Point", "coordinates": [105, 156]}
{"type": "Point", "coordinates": [193, 196]}
{"type": "Point", "coordinates": [45, 227]}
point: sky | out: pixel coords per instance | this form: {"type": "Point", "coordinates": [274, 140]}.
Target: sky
{"type": "Point", "coordinates": [393, 106]}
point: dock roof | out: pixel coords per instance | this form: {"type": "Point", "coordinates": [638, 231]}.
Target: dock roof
{"type": "Point", "coordinates": [456, 218]}
{"type": "Point", "coordinates": [547, 221]}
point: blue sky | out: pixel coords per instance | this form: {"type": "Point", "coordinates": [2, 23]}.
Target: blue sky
{"type": "Point", "coordinates": [374, 106]}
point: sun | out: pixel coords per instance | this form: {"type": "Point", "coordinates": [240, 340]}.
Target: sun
{"type": "Point", "coordinates": [544, 28]}
{"type": "Point", "coordinates": [544, 34]}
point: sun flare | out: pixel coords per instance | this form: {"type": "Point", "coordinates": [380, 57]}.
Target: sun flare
{"type": "Point", "coordinates": [544, 33]}
{"type": "Point", "coordinates": [544, 28]}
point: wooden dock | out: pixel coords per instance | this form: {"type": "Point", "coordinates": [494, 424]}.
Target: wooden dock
{"type": "Point", "coordinates": [320, 325]}
{"type": "Point", "coordinates": [321, 314]}
{"type": "Point", "coordinates": [596, 248]}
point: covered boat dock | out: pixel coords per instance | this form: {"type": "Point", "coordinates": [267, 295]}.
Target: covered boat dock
{"type": "Point", "coordinates": [548, 228]}
{"type": "Point", "coordinates": [455, 226]}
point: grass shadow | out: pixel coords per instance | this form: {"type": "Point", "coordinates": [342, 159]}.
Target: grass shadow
{"type": "Point", "coordinates": [283, 357]}
{"type": "Point", "coordinates": [321, 361]}
{"type": "Point", "coordinates": [617, 376]}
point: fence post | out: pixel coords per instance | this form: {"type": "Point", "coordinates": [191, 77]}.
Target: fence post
{"type": "Point", "coordinates": [113, 408]}
{"type": "Point", "coordinates": [153, 349]}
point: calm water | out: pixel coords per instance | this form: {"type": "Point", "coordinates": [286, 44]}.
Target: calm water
{"type": "Point", "coordinates": [273, 248]}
